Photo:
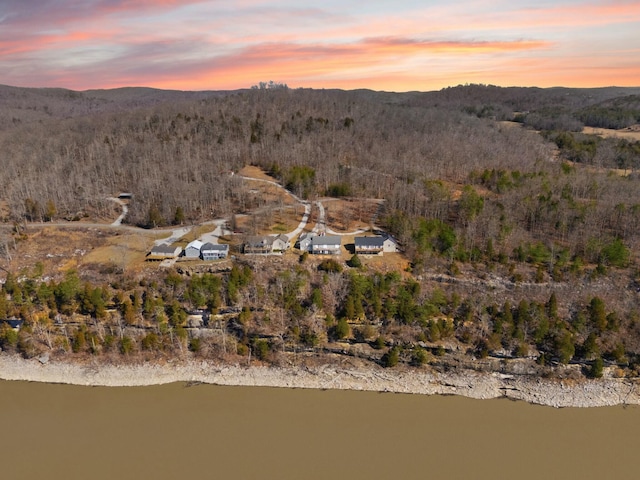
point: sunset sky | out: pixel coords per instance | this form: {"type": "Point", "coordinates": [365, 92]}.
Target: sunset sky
{"type": "Point", "coordinates": [396, 45]}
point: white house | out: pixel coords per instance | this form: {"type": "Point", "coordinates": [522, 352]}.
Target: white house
{"type": "Point", "coordinates": [192, 250]}
{"type": "Point", "coordinates": [325, 245]}
{"type": "Point", "coordinates": [390, 245]}
{"type": "Point", "coordinates": [304, 241]}
{"type": "Point", "coordinates": [281, 243]}
{"type": "Point", "coordinates": [211, 251]}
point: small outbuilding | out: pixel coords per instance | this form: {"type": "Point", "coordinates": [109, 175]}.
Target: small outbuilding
{"type": "Point", "coordinates": [14, 323]}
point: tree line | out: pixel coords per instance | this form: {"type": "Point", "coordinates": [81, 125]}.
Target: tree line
{"type": "Point", "coordinates": [466, 196]}
{"type": "Point", "coordinates": [262, 312]}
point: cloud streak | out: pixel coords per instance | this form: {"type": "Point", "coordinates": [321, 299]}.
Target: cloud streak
{"type": "Point", "coordinates": [83, 44]}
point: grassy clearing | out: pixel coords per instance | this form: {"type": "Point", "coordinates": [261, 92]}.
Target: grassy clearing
{"type": "Point", "coordinates": [128, 250]}
{"type": "Point", "coordinates": [628, 133]}
{"type": "Point", "coordinates": [255, 172]}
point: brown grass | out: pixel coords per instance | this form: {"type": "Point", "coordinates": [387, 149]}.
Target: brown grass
{"type": "Point", "coordinates": [348, 215]}
{"type": "Point", "coordinates": [126, 251]}
{"type": "Point", "coordinates": [93, 249]}
{"type": "Point", "coordinates": [630, 133]}
{"type": "Point", "coordinates": [255, 172]}
{"type": "Point", "coordinates": [62, 249]}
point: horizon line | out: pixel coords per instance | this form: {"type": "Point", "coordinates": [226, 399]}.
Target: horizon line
{"type": "Point", "coordinates": [285, 86]}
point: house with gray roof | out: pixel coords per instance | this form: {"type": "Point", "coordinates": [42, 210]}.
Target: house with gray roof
{"type": "Point", "coordinates": [281, 243]}
{"type": "Point", "coordinates": [369, 245]}
{"type": "Point", "coordinates": [212, 251]}
{"type": "Point", "coordinates": [304, 241]}
{"type": "Point", "coordinates": [162, 251]}
{"type": "Point", "coordinates": [325, 245]}
{"type": "Point", "coordinates": [258, 245]}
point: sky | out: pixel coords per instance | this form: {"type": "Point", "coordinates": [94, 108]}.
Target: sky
{"type": "Point", "coordinates": [397, 45]}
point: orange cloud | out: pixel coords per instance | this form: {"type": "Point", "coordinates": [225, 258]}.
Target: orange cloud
{"type": "Point", "coordinates": [333, 65]}
{"type": "Point", "coordinates": [410, 46]}
{"type": "Point", "coordinates": [187, 44]}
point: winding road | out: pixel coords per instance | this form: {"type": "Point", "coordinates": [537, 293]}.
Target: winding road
{"type": "Point", "coordinates": [213, 236]}
{"type": "Point", "coordinates": [125, 210]}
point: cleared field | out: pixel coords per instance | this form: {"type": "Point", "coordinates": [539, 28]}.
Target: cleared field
{"type": "Point", "coordinates": [126, 251]}
{"type": "Point", "coordinates": [631, 133]}
{"type": "Point", "coordinates": [255, 172]}
{"type": "Point", "coordinates": [50, 251]}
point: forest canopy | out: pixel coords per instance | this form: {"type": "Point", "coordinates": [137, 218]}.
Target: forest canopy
{"type": "Point", "coordinates": [502, 187]}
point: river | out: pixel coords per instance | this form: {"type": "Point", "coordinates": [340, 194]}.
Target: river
{"type": "Point", "coordinates": [178, 431]}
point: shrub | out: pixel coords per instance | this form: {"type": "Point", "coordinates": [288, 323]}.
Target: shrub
{"type": "Point", "coordinates": [126, 345]}
{"type": "Point", "coordinates": [195, 345]}
{"type": "Point", "coordinates": [341, 329]}
{"type": "Point", "coordinates": [339, 190]}
{"type": "Point", "coordinates": [615, 253]}
{"type": "Point", "coordinates": [8, 337]}
{"type": "Point", "coordinates": [355, 262]}
{"type": "Point", "coordinates": [391, 358]}
{"type": "Point", "coordinates": [150, 341]}
{"type": "Point", "coordinates": [260, 349]}
{"type": "Point", "coordinates": [596, 368]}
{"type": "Point", "coordinates": [419, 357]}
{"type": "Point", "coordinates": [379, 343]}
{"type": "Point", "coordinates": [330, 265]}
{"type": "Point", "coordinates": [79, 341]}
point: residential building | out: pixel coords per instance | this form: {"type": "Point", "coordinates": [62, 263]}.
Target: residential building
{"type": "Point", "coordinates": [304, 241]}
{"type": "Point", "coordinates": [390, 245]}
{"type": "Point", "coordinates": [369, 245]}
{"type": "Point", "coordinates": [325, 245]}
{"type": "Point", "coordinates": [192, 250]}
{"type": "Point", "coordinates": [211, 251]}
{"type": "Point", "coordinates": [281, 243]}
{"type": "Point", "coordinates": [258, 245]}
{"type": "Point", "coordinates": [160, 252]}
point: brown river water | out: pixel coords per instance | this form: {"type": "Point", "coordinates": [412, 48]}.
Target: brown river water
{"type": "Point", "coordinates": [181, 432]}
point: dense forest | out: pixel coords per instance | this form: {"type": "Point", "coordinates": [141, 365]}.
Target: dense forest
{"type": "Point", "coordinates": [521, 231]}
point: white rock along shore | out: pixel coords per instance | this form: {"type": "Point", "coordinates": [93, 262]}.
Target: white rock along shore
{"type": "Point", "coordinates": [555, 393]}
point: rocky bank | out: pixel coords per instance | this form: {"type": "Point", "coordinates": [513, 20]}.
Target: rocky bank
{"type": "Point", "coordinates": [550, 392]}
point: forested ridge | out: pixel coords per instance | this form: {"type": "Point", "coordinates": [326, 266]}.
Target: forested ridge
{"type": "Point", "coordinates": [522, 239]}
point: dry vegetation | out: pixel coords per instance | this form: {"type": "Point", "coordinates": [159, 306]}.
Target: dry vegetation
{"type": "Point", "coordinates": [630, 133]}
{"type": "Point", "coordinates": [518, 242]}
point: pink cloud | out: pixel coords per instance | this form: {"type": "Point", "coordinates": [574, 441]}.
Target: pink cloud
{"type": "Point", "coordinates": [104, 43]}
{"type": "Point", "coordinates": [560, 16]}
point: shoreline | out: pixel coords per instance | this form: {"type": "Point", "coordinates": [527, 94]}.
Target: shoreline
{"type": "Point", "coordinates": [533, 390]}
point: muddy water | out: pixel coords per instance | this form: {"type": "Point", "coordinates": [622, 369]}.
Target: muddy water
{"type": "Point", "coordinates": [175, 432]}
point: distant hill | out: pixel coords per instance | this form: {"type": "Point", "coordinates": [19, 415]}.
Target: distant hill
{"type": "Point", "coordinates": [527, 98]}
{"type": "Point", "coordinates": [24, 105]}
